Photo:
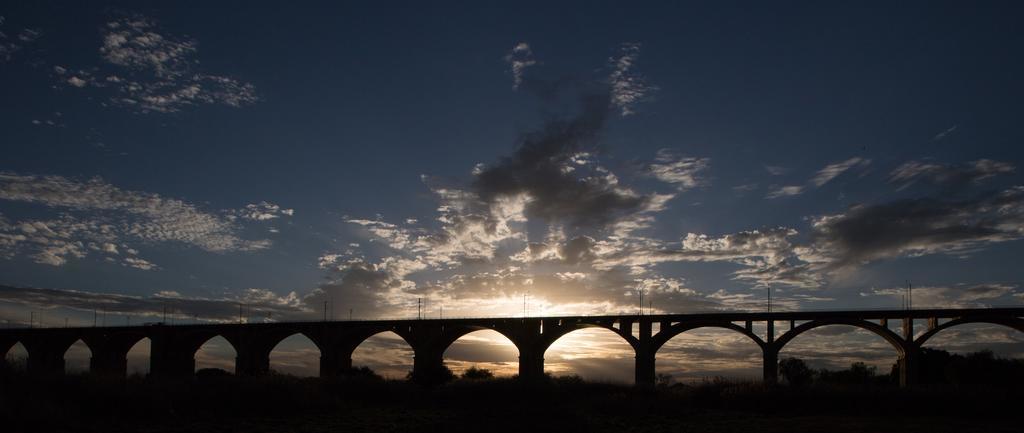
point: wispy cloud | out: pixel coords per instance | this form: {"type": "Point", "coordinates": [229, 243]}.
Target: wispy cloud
{"type": "Point", "coordinates": [95, 216]}
{"type": "Point", "coordinates": [949, 175]}
{"type": "Point", "coordinates": [152, 71]}
{"type": "Point", "coordinates": [682, 172]}
{"type": "Point", "coordinates": [628, 88]}
{"type": "Point", "coordinates": [944, 133]}
{"type": "Point", "coordinates": [518, 59]}
{"type": "Point", "coordinates": [823, 176]}
{"type": "Point", "coordinates": [956, 296]}
{"type": "Point", "coordinates": [11, 44]}
{"type": "Point", "coordinates": [260, 304]}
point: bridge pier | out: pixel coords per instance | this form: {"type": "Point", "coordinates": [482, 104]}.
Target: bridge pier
{"type": "Point", "coordinates": [531, 366]}
{"type": "Point", "coordinates": [335, 362]}
{"type": "Point", "coordinates": [252, 362]}
{"type": "Point", "coordinates": [645, 375]}
{"type": "Point", "coordinates": [109, 363]}
{"type": "Point", "coordinates": [770, 372]}
{"type": "Point", "coordinates": [645, 354]}
{"type": "Point", "coordinates": [45, 358]}
{"type": "Point", "coordinates": [909, 365]}
{"type": "Point", "coordinates": [427, 366]}
{"type": "Point", "coordinates": [169, 360]}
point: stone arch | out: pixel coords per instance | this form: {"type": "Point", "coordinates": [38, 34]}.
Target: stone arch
{"type": "Point", "coordinates": [275, 344]}
{"type": "Point", "coordinates": [15, 355]}
{"type": "Point", "coordinates": [197, 347]}
{"type": "Point", "coordinates": [358, 340]}
{"type": "Point", "coordinates": [549, 338]}
{"type": "Point", "coordinates": [891, 337]}
{"type": "Point", "coordinates": [134, 353]}
{"type": "Point", "coordinates": [449, 341]}
{"type": "Point", "coordinates": [81, 357]}
{"type": "Point", "coordinates": [633, 345]}
{"type": "Point", "coordinates": [663, 336]}
{"type": "Point", "coordinates": [1010, 322]}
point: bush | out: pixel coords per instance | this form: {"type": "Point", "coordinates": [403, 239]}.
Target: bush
{"type": "Point", "coordinates": [795, 372]}
{"type": "Point", "coordinates": [474, 373]}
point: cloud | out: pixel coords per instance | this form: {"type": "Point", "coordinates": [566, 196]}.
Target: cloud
{"type": "Point", "coordinates": [263, 211]}
{"type": "Point", "coordinates": [519, 58]}
{"type": "Point", "coordinates": [949, 175]}
{"type": "Point", "coordinates": [683, 172]}
{"type": "Point", "coordinates": [785, 191]}
{"type": "Point", "coordinates": [627, 88]}
{"type": "Point", "coordinates": [823, 176]}
{"type": "Point", "coordinates": [9, 45]}
{"type": "Point", "coordinates": [260, 304]}
{"type": "Point", "coordinates": [944, 133]}
{"type": "Point", "coordinates": [913, 227]}
{"type": "Point", "coordinates": [547, 170]}
{"type": "Point", "coordinates": [831, 171]}
{"type": "Point", "coordinates": [95, 212]}
{"type": "Point", "coordinates": [776, 170]}
{"type": "Point", "coordinates": [155, 72]}
{"type": "Point", "coordinates": [957, 296]}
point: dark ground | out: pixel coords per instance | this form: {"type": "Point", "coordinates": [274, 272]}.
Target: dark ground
{"type": "Point", "coordinates": [288, 404]}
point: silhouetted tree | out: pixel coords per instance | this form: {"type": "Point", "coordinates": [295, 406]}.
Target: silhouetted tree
{"type": "Point", "coordinates": [474, 373]}
{"type": "Point", "coordinates": [664, 380]}
{"type": "Point", "coordinates": [795, 372]}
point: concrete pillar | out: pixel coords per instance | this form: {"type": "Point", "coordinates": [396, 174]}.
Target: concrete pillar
{"type": "Point", "coordinates": [909, 367]}
{"type": "Point", "coordinates": [170, 360]}
{"type": "Point", "coordinates": [427, 366]}
{"type": "Point", "coordinates": [252, 362]}
{"type": "Point", "coordinates": [770, 372]}
{"type": "Point", "coordinates": [645, 376]}
{"type": "Point", "coordinates": [108, 362]}
{"type": "Point", "coordinates": [335, 362]}
{"type": "Point", "coordinates": [531, 366]}
{"type": "Point", "coordinates": [45, 360]}
{"type": "Point", "coordinates": [645, 354]}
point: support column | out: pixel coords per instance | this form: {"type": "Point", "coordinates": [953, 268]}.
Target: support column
{"type": "Point", "coordinates": [252, 362]}
{"type": "Point", "coordinates": [770, 372]}
{"type": "Point", "coordinates": [428, 366]}
{"type": "Point", "coordinates": [169, 360]}
{"type": "Point", "coordinates": [531, 366]}
{"type": "Point", "coordinates": [335, 362]}
{"type": "Point", "coordinates": [45, 360]}
{"type": "Point", "coordinates": [909, 364]}
{"type": "Point", "coordinates": [109, 363]}
{"type": "Point", "coordinates": [645, 374]}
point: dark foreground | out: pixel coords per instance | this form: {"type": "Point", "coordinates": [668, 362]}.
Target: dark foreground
{"type": "Point", "coordinates": [287, 404]}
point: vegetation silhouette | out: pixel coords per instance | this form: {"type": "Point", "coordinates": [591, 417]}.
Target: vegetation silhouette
{"type": "Point", "coordinates": [363, 401]}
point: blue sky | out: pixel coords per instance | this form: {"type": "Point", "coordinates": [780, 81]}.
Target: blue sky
{"type": "Point", "coordinates": [203, 155]}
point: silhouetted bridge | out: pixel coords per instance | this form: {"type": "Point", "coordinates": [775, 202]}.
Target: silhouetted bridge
{"type": "Point", "coordinates": [173, 348]}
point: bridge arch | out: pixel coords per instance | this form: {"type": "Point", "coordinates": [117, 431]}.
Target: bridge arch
{"type": "Point", "coordinates": [212, 352]}
{"type": "Point", "coordinates": [77, 357]}
{"type": "Point", "coordinates": [664, 335]}
{"type": "Point", "coordinates": [620, 361]}
{"type": "Point", "coordinates": [295, 354]}
{"type": "Point", "coordinates": [1010, 322]}
{"type": "Point", "coordinates": [891, 337]}
{"type": "Point", "coordinates": [15, 355]}
{"type": "Point", "coordinates": [499, 359]}
{"type": "Point", "coordinates": [386, 351]}
{"type": "Point", "coordinates": [139, 356]}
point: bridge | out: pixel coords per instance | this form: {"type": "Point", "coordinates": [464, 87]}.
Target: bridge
{"type": "Point", "coordinates": [174, 346]}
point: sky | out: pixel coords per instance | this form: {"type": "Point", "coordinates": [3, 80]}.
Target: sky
{"type": "Point", "coordinates": [511, 159]}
